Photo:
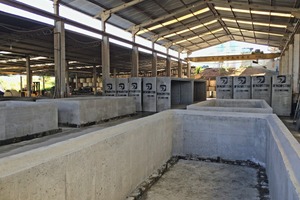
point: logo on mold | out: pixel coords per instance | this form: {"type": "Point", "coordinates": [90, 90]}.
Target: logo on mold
{"type": "Point", "coordinates": [281, 79]}
{"type": "Point", "coordinates": [261, 79]}
{"type": "Point", "coordinates": [224, 80]}
{"type": "Point", "coordinates": [109, 86]}
{"type": "Point", "coordinates": [163, 88]}
{"type": "Point", "coordinates": [134, 86]}
{"type": "Point", "coordinates": [122, 86]}
{"type": "Point", "coordinates": [242, 80]}
{"type": "Point", "coordinates": [149, 86]}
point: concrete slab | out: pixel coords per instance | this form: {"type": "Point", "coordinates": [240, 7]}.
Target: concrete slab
{"type": "Point", "coordinates": [282, 95]}
{"type": "Point", "coordinates": [224, 87]}
{"type": "Point", "coordinates": [242, 87]}
{"type": "Point", "coordinates": [190, 180]}
{"type": "Point", "coordinates": [233, 105]}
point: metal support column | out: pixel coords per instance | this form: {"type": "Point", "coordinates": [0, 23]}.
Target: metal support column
{"type": "Point", "coordinates": [59, 55]}
{"type": "Point", "coordinates": [21, 82]}
{"type": "Point", "coordinates": [95, 79]}
{"type": "Point", "coordinates": [179, 65]}
{"type": "Point", "coordinates": [67, 80]}
{"type": "Point", "coordinates": [29, 76]}
{"type": "Point", "coordinates": [154, 63]}
{"type": "Point", "coordinates": [291, 59]}
{"type": "Point", "coordinates": [76, 83]}
{"type": "Point", "coordinates": [105, 48]}
{"type": "Point", "coordinates": [43, 82]}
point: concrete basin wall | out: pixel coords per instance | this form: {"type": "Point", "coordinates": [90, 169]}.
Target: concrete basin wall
{"type": "Point", "coordinates": [84, 110]}
{"type": "Point", "coordinates": [233, 105]}
{"type": "Point", "coordinates": [106, 164]}
{"type": "Point", "coordinates": [110, 163]}
{"type": "Point", "coordinates": [19, 119]}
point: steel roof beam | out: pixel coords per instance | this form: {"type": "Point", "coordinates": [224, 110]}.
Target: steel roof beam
{"type": "Point", "coordinates": [256, 6]}
{"type": "Point", "coordinates": [149, 22]}
{"type": "Point", "coordinates": [118, 8]}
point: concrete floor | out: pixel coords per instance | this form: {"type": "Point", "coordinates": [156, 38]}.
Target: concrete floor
{"type": "Point", "coordinates": [288, 121]}
{"type": "Point", "coordinates": [191, 180]}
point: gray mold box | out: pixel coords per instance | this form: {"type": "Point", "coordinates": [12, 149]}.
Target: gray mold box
{"type": "Point", "coordinates": [282, 95]}
{"type": "Point", "coordinates": [149, 94]}
{"type": "Point", "coordinates": [122, 87]}
{"type": "Point", "coordinates": [163, 91]}
{"type": "Point", "coordinates": [182, 91]}
{"type": "Point", "coordinates": [242, 87]}
{"type": "Point", "coordinates": [224, 87]}
{"type": "Point", "coordinates": [261, 88]}
{"type": "Point", "coordinates": [110, 87]}
{"type": "Point", "coordinates": [199, 90]}
{"type": "Point", "coordinates": [135, 90]}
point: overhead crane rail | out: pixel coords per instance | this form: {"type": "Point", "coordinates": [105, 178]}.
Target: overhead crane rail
{"type": "Point", "coordinates": [255, 56]}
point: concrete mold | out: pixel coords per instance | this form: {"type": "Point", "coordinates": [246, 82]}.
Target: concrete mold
{"type": "Point", "coordinates": [110, 163]}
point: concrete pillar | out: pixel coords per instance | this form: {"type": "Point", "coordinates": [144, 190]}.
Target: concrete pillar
{"type": "Point", "coordinates": [95, 79]}
{"type": "Point", "coordinates": [28, 76]}
{"type": "Point", "coordinates": [105, 58]}
{"type": "Point", "coordinates": [291, 59]}
{"type": "Point", "coordinates": [67, 80]}
{"type": "Point", "coordinates": [286, 69]}
{"type": "Point", "coordinates": [135, 62]}
{"type": "Point", "coordinates": [154, 64]}
{"type": "Point", "coordinates": [43, 82]}
{"type": "Point", "coordinates": [168, 66]}
{"type": "Point", "coordinates": [115, 73]}
{"type": "Point", "coordinates": [188, 72]}
{"type": "Point", "coordinates": [76, 79]}
{"type": "Point", "coordinates": [296, 63]}
{"type": "Point", "coordinates": [59, 55]}
{"type": "Point", "coordinates": [179, 66]}
{"type": "Point", "coordinates": [21, 82]}
{"type": "Point", "coordinates": [281, 65]}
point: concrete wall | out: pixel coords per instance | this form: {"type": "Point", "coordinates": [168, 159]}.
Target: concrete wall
{"type": "Point", "coordinates": [135, 91]}
{"type": "Point", "coordinates": [80, 111]}
{"type": "Point", "coordinates": [224, 87]}
{"type": "Point", "coordinates": [110, 163]}
{"type": "Point", "coordinates": [242, 87]}
{"type": "Point", "coordinates": [107, 164]}
{"type": "Point", "coordinates": [282, 95]}
{"type": "Point", "coordinates": [19, 119]}
{"type": "Point", "coordinates": [163, 90]}
{"type": "Point", "coordinates": [233, 105]}
{"type": "Point", "coordinates": [261, 88]}
{"type": "Point", "coordinates": [235, 136]}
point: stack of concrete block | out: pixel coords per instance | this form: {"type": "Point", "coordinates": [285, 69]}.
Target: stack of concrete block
{"type": "Point", "coordinates": [122, 86]}
{"type": "Point", "coordinates": [110, 87]}
{"type": "Point", "coordinates": [163, 91]}
{"type": "Point", "coordinates": [224, 87]}
{"type": "Point", "coordinates": [242, 87]}
{"type": "Point", "coordinates": [261, 88]}
{"type": "Point", "coordinates": [135, 91]}
{"type": "Point", "coordinates": [149, 94]}
{"type": "Point", "coordinates": [282, 95]}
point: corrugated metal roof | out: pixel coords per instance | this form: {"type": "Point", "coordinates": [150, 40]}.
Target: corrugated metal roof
{"type": "Point", "coordinates": [229, 14]}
